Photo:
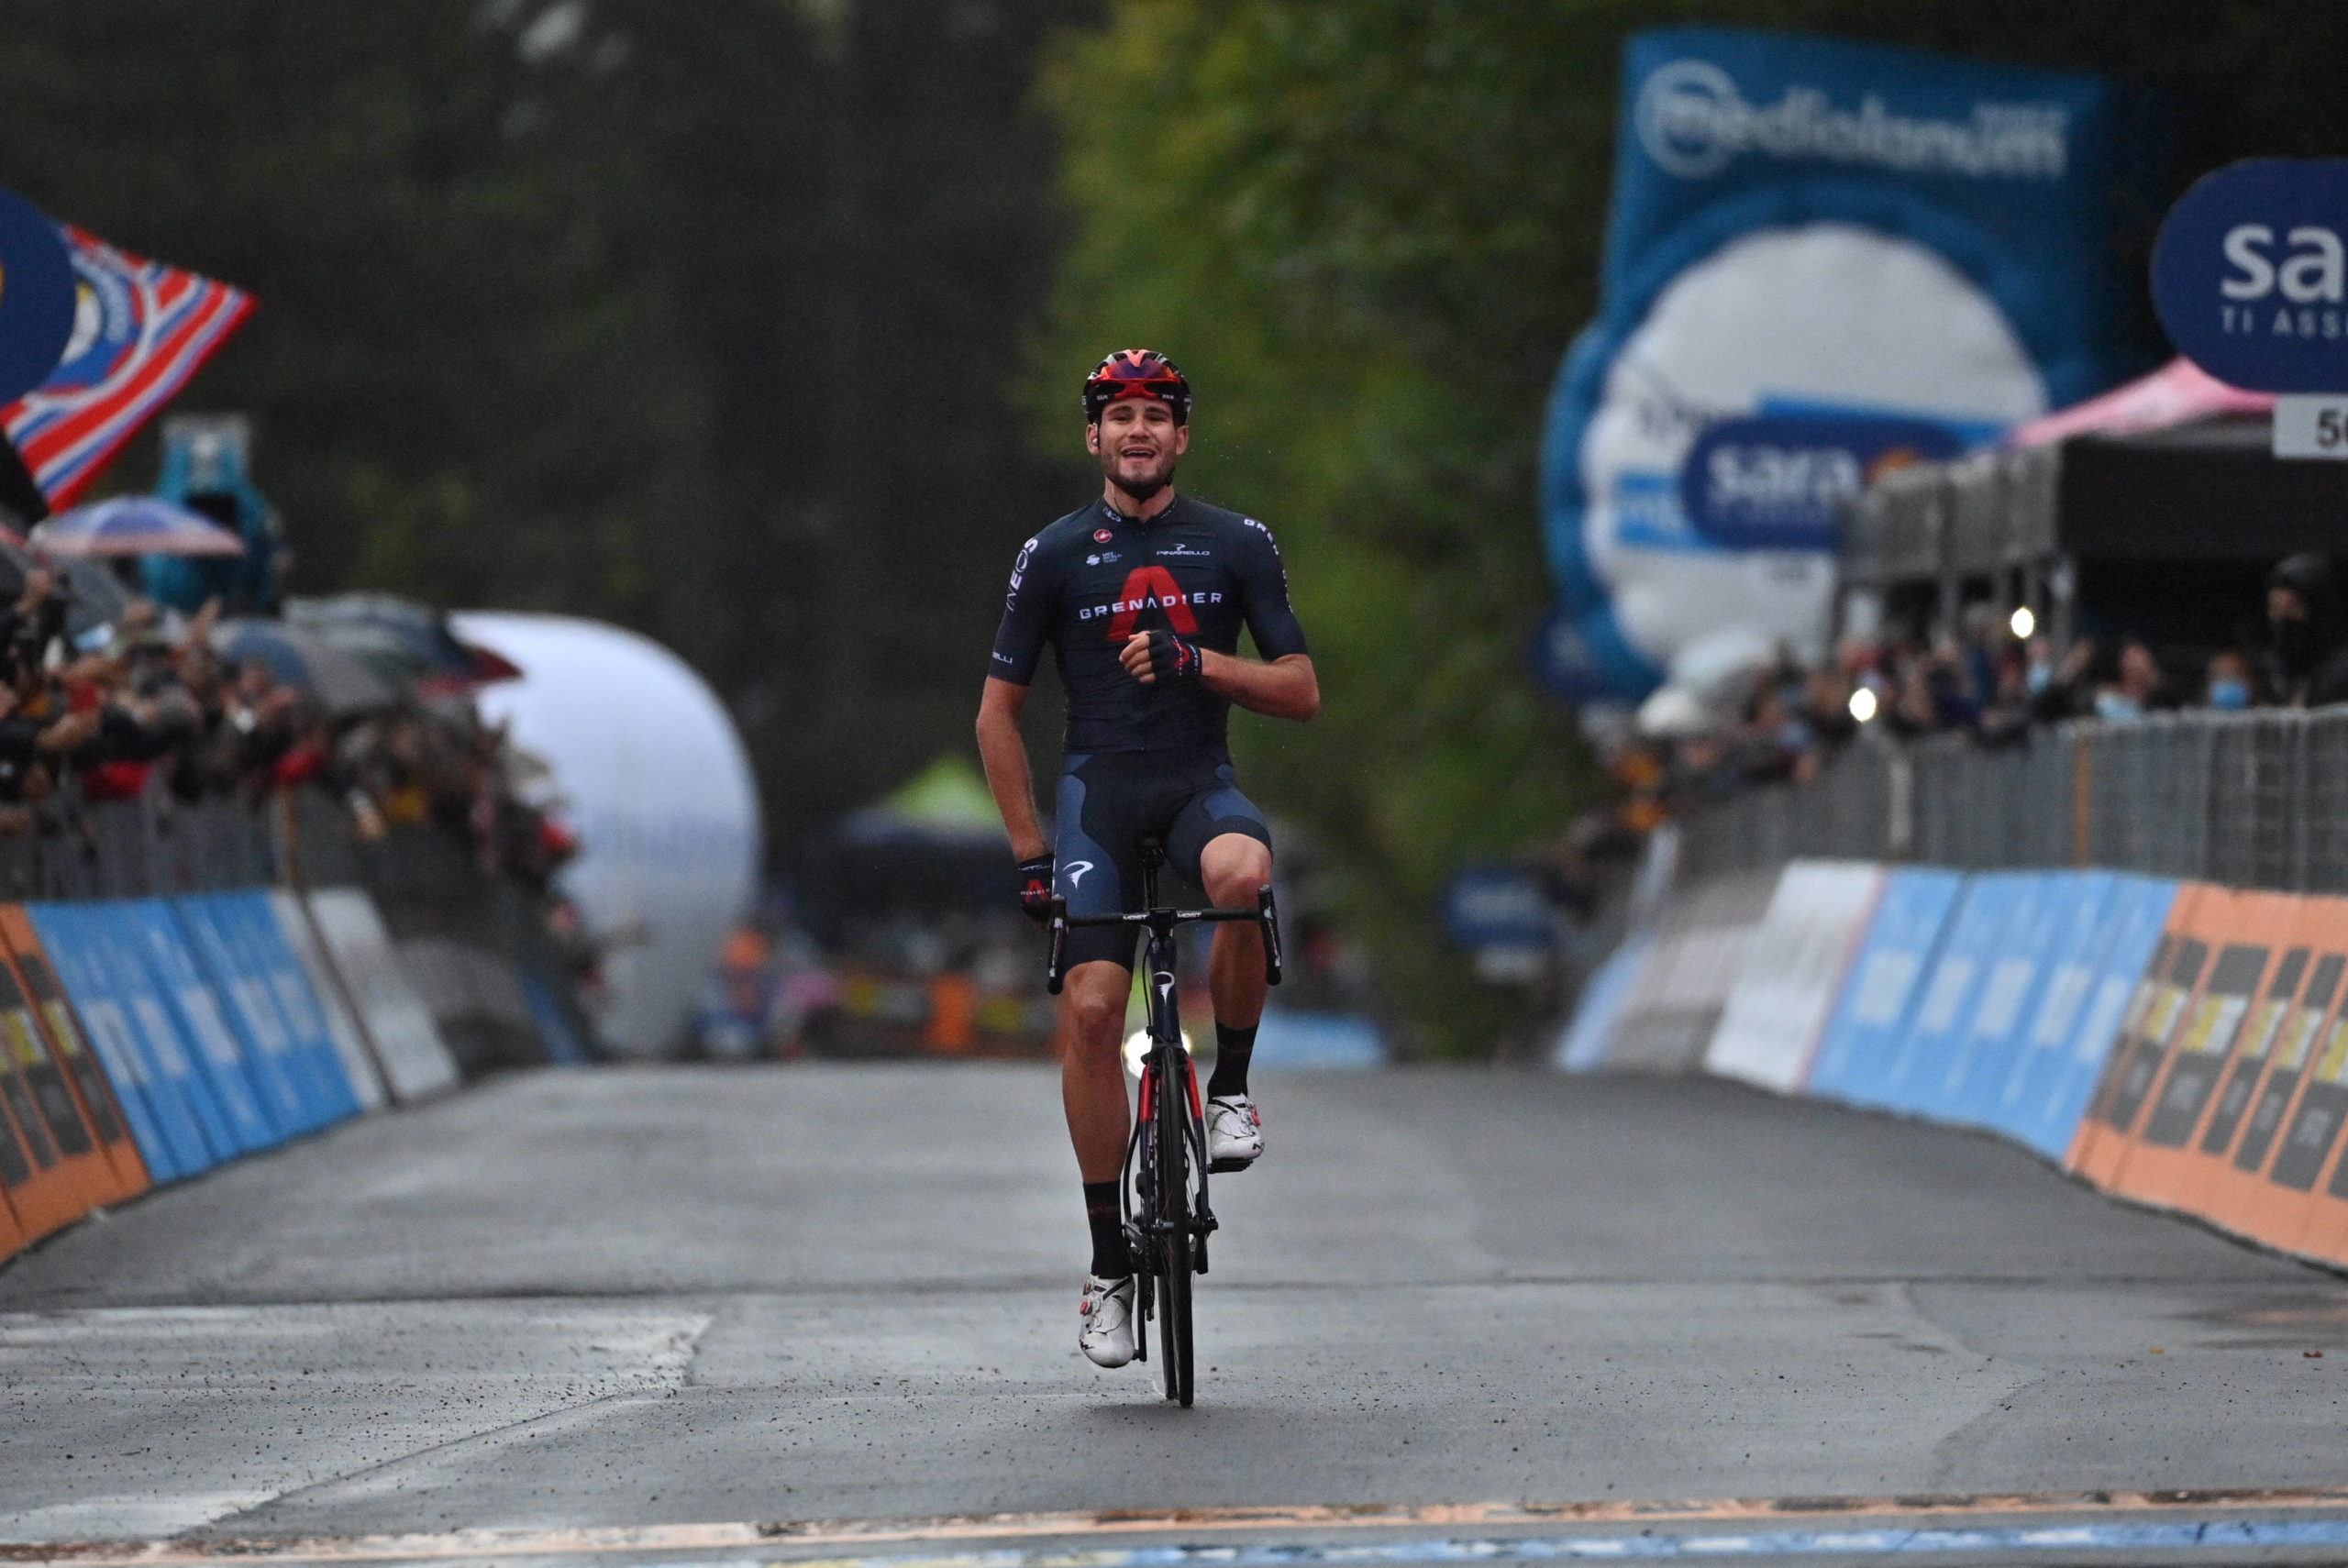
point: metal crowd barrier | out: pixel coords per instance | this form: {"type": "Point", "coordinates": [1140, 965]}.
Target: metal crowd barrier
{"type": "Point", "coordinates": [2246, 800]}
{"type": "Point", "coordinates": [124, 849]}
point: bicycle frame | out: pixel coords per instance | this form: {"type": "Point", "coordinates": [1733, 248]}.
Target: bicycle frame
{"type": "Point", "coordinates": [1170, 1242]}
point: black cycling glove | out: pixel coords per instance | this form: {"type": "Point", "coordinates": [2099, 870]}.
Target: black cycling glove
{"type": "Point", "coordinates": [1034, 881]}
{"type": "Point", "coordinates": [1173, 657]}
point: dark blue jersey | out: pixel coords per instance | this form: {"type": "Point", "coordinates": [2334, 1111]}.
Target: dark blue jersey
{"type": "Point", "coordinates": [1093, 579]}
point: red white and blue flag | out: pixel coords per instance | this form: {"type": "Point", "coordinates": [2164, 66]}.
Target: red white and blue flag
{"type": "Point", "coordinates": [140, 330]}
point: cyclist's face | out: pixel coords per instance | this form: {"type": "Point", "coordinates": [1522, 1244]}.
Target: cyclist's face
{"type": "Point", "coordinates": [1138, 443]}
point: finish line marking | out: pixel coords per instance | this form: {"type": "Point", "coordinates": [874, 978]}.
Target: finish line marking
{"type": "Point", "coordinates": [2138, 1534]}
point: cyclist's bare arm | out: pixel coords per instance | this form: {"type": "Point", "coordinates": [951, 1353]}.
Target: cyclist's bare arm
{"type": "Point", "coordinates": [1004, 752]}
{"type": "Point", "coordinates": [1287, 688]}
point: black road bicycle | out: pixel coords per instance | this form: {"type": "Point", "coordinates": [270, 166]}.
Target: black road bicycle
{"type": "Point", "coordinates": [1164, 1185]}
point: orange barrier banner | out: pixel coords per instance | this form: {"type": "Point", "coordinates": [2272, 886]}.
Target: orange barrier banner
{"type": "Point", "coordinates": [12, 1235]}
{"type": "Point", "coordinates": [2271, 1151]}
{"type": "Point", "coordinates": [2302, 1204]}
{"type": "Point", "coordinates": [71, 1141]}
{"type": "Point", "coordinates": [31, 978]}
{"type": "Point", "coordinates": [2261, 967]}
{"type": "Point", "coordinates": [45, 1196]}
{"type": "Point", "coordinates": [2171, 983]}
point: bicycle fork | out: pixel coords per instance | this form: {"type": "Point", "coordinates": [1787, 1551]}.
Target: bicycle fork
{"type": "Point", "coordinates": [1144, 1225]}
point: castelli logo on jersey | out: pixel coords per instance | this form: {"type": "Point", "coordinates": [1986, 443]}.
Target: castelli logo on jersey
{"type": "Point", "coordinates": [1102, 535]}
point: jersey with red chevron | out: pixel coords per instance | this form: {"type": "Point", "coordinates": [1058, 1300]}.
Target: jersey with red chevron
{"type": "Point", "coordinates": [1087, 583]}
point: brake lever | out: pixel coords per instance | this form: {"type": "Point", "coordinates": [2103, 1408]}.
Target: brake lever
{"type": "Point", "coordinates": [1053, 969]}
{"type": "Point", "coordinates": [1268, 917]}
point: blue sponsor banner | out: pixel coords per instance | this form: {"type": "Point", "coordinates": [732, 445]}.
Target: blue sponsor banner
{"type": "Point", "coordinates": [251, 1100]}
{"type": "Point", "coordinates": [270, 959]}
{"type": "Point", "coordinates": [2079, 938]}
{"type": "Point", "coordinates": [2047, 1111]}
{"type": "Point", "coordinates": [1783, 207]}
{"type": "Point", "coordinates": [154, 1080]}
{"type": "Point", "coordinates": [2250, 274]}
{"type": "Point", "coordinates": [286, 1077]}
{"type": "Point", "coordinates": [1862, 1036]}
{"type": "Point", "coordinates": [1779, 482]}
{"type": "Point", "coordinates": [1497, 906]}
{"type": "Point", "coordinates": [1936, 1026]}
{"type": "Point", "coordinates": [2009, 989]}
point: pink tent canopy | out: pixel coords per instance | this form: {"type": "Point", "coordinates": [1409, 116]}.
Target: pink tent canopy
{"type": "Point", "coordinates": [2178, 394]}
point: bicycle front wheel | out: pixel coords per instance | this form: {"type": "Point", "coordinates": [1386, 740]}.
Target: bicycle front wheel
{"type": "Point", "coordinates": [1174, 1244]}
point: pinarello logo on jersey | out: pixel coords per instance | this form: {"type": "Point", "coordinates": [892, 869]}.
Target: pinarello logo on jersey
{"type": "Point", "coordinates": [1102, 535]}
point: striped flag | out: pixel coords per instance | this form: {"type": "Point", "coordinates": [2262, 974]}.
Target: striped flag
{"type": "Point", "coordinates": [140, 330]}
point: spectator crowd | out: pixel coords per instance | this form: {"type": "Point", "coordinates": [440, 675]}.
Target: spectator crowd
{"type": "Point", "coordinates": [1996, 680]}
{"type": "Point", "coordinates": [144, 706]}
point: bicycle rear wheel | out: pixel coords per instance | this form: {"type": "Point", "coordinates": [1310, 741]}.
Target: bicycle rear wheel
{"type": "Point", "coordinates": [1174, 1245]}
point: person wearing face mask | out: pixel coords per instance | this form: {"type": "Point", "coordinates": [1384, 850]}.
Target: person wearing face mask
{"type": "Point", "coordinates": [2306, 663]}
{"type": "Point", "coordinates": [2230, 683]}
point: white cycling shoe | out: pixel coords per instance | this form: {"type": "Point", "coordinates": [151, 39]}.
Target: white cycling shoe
{"type": "Point", "coordinates": [1106, 1333]}
{"type": "Point", "coordinates": [1234, 1134]}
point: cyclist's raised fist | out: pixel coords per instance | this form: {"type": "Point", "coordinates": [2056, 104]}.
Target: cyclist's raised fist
{"type": "Point", "coordinates": [1152, 656]}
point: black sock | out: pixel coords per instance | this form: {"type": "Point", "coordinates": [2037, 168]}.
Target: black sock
{"type": "Point", "coordinates": [1111, 1260]}
{"type": "Point", "coordinates": [1232, 1049]}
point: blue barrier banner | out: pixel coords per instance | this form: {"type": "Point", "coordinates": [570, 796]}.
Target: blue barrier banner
{"type": "Point", "coordinates": [2078, 939]}
{"type": "Point", "coordinates": [2010, 991]}
{"type": "Point", "coordinates": [151, 1078]}
{"type": "Point", "coordinates": [250, 919]}
{"type": "Point", "coordinates": [252, 1014]}
{"type": "Point", "coordinates": [1966, 212]}
{"type": "Point", "coordinates": [2047, 1114]}
{"type": "Point", "coordinates": [253, 1100]}
{"type": "Point", "coordinates": [1936, 1026]}
{"type": "Point", "coordinates": [314, 997]}
{"type": "Point", "coordinates": [1583, 1048]}
{"type": "Point", "coordinates": [564, 1048]}
{"type": "Point", "coordinates": [1854, 1055]}
{"type": "Point", "coordinates": [117, 947]}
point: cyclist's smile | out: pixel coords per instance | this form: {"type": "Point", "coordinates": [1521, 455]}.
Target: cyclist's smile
{"type": "Point", "coordinates": [1139, 444]}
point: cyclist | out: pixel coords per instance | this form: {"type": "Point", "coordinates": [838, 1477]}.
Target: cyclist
{"type": "Point", "coordinates": [1142, 593]}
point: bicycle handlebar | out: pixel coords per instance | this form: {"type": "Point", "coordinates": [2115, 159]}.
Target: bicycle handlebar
{"type": "Point", "coordinates": [1266, 914]}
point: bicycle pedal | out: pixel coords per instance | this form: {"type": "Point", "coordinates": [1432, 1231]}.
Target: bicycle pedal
{"type": "Point", "coordinates": [1227, 1167]}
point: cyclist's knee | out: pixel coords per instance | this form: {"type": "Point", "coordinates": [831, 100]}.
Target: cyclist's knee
{"type": "Point", "coordinates": [1233, 867]}
{"type": "Point", "coordinates": [1096, 1003]}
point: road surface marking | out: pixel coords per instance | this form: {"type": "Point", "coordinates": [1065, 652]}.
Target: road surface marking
{"type": "Point", "coordinates": [2215, 1526]}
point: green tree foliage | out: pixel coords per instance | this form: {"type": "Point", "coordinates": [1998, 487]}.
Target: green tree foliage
{"type": "Point", "coordinates": [1369, 231]}
{"type": "Point", "coordinates": [615, 307]}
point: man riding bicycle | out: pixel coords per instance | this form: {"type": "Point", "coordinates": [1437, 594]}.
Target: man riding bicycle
{"type": "Point", "coordinates": [1142, 594]}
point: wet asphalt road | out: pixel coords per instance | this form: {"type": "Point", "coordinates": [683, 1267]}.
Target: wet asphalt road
{"type": "Point", "coordinates": [632, 1297]}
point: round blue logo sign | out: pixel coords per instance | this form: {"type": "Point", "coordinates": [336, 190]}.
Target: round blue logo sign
{"type": "Point", "coordinates": [2250, 277]}
{"type": "Point", "coordinates": [36, 296]}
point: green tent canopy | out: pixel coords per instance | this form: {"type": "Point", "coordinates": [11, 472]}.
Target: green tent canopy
{"type": "Point", "coordinates": [949, 798]}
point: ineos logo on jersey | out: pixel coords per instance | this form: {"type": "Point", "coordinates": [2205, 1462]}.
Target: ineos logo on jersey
{"type": "Point", "coordinates": [1019, 571]}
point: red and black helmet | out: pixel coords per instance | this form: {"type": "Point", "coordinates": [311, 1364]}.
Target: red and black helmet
{"type": "Point", "coordinates": [1136, 373]}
